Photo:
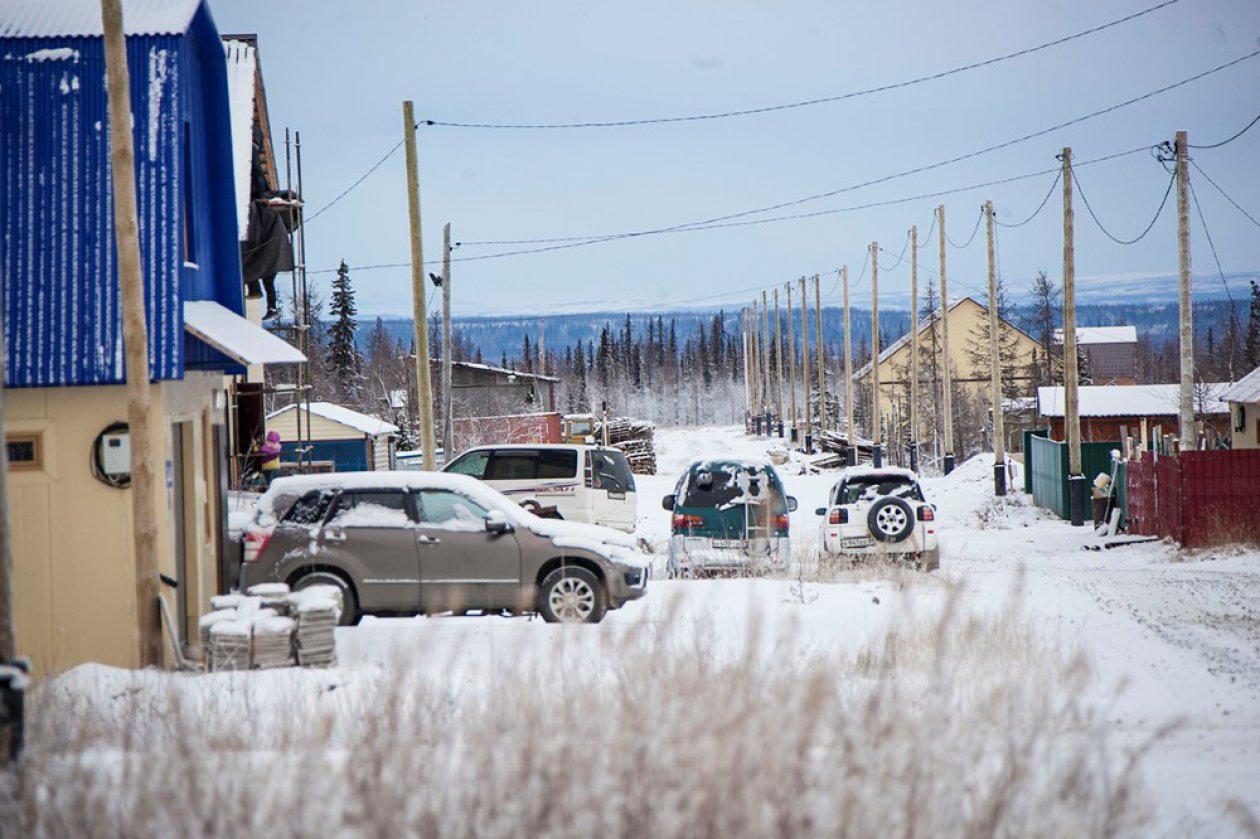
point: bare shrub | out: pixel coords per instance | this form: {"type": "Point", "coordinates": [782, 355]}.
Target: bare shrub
{"type": "Point", "coordinates": [952, 726]}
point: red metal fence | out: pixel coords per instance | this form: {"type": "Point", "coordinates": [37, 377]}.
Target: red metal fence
{"type": "Point", "coordinates": [1196, 498]}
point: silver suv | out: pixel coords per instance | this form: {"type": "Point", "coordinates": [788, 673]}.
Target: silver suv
{"type": "Point", "coordinates": [427, 543]}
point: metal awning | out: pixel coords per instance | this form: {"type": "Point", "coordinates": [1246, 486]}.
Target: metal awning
{"type": "Point", "coordinates": [236, 337]}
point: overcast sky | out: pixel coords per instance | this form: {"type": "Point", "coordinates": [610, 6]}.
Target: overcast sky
{"type": "Point", "coordinates": [339, 72]}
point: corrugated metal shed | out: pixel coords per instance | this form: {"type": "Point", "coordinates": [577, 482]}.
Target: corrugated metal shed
{"type": "Point", "coordinates": [1132, 400]}
{"type": "Point", "coordinates": [57, 261]}
{"type": "Point", "coordinates": [82, 18]}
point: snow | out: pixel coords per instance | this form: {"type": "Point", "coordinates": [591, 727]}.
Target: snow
{"type": "Point", "coordinates": [362, 423]}
{"type": "Point", "coordinates": [242, 63]}
{"type": "Point", "coordinates": [1101, 335]}
{"type": "Point", "coordinates": [51, 18]}
{"type": "Point", "coordinates": [1171, 637]}
{"type": "Point", "coordinates": [1134, 400]}
{"type": "Point", "coordinates": [1246, 389]}
{"type": "Point", "coordinates": [235, 336]}
{"type": "Point", "coordinates": [54, 54]}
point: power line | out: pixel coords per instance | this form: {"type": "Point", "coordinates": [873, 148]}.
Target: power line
{"type": "Point", "coordinates": [1211, 246]}
{"type": "Point", "coordinates": [1106, 232]}
{"type": "Point", "coordinates": [970, 238]}
{"type": "Point", "coordinates": [808, 102]}
{"type": "Point", "coordinates": [927, 237]}
{"type": "Point", "coordinates": [1037, 211]}
{"type": "Point", "coordinates": [900, 257]}
{"type": "Point", "coordinates": [749, 222]}
{"type": "Point", "coordinates": [1226, 142]}
{"type": "Point", "coordinates": [1226, 194]}
{"type": "Point", "coordinates": [352, 186]}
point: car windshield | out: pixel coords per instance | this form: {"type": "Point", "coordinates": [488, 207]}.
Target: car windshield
{"type": "Point", "coordinates": [728, 485]}
{"type": "Point", "coordinates": [870, 487]}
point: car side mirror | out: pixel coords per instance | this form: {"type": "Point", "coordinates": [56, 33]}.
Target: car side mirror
{"type": "Point", "coordinates": [820, 511]}
{"type": "Point", "coordinates": [668, 502]}
{"type": "Point", "coordinates": [934, 507]}
{"type": "Point", "coordinates": [791, 502]}
{"type": "Point", "coordinates": [497, 523]}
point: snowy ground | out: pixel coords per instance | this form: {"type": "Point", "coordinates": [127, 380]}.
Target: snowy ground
{"type": "Point", "coordinates": [1172, 637]}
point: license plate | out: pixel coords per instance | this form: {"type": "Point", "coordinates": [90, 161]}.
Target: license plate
{"type": "Point", "coordinates": [616, 496]}
{"type": "Point", "coordinates": [728, 544]}
{"type": "Point", "coordinates": [856, 542]}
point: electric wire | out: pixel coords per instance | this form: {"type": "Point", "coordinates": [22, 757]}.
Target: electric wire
{"type": "Point", "coordinates": [970, 238]}
{"type": "Point", "coordinates": [927, 237]}
{"type": "Point", "coordinates": [1237, 207]}
{"type": "Point", "coordinates": [807, 102]}
{"type": "Point", "coordinates": [1108, 233]}
{"type": "Point", "coordinates": [1226, 142]}
{"type": "Point", "coordinates": [1037, 211]}
{"type": "Point", "coordinates": [1207, 234]}
{"type": "Point", "coordinates": [352, 186]}
{"type": "Point", "coordinates": [900, 257]}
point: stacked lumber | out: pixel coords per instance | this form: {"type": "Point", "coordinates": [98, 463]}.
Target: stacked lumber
{"type": "Point", "coordinates": [636, 439]}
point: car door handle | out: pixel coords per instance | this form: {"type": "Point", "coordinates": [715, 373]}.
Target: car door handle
{"type": "Point", "coordinates": [428, 540]}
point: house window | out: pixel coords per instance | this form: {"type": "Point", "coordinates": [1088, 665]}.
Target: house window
{"type": "Point", "coordinates": [25, 452]}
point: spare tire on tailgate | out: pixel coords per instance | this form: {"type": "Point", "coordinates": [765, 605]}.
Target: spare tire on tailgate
{"type": "Point", "coordinates": [890, 519]}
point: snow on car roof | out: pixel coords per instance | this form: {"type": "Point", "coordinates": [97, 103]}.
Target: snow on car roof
{"type": "Point", "coordinates": [710, 464]}
{"type": "Point", "coordinates": [879, 472]}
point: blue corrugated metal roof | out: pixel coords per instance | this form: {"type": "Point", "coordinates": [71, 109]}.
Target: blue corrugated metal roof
{"type": "Point", "coordinates": [57, 261]}
{"type": "Point", "coordinates": [82, 18]}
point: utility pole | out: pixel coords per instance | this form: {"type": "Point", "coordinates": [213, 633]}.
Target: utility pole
{"type": "Point", "coordinates": [822, 382]}
{"type": "Point", "coordinates": [850, 453]}
{"type": "Point", "coordinates": [995, 365]}
{"type": "Point", "coordinates": [743, 334]}
{"type": "Point", "coordinates": [144, 507]}
{"type": "Point", "coordinates": [778, 363]}
{"type": "Point", "coordinates": [448, 393]}
{"type": "Point", "coordinates": [1071, 403]}
{"type": "Point", "coordinates": [877, 455]}
{"type": "Point", "coordinates": [808, 437]}
{"type": "Point", "coordinates": [424, 386]}
{"type": "Point", "coordinates": [765, 359]}
{"type": "Point", "coordinates": [1186, 419]}
{"type": "Point", "coordinates": [750, 363]}
{"type": "Point", "coordinates": [914, 348]}
{"type": "Point", "coordinates": [947, 387]}
{"type": "Point", "coordinates": [791, 353]}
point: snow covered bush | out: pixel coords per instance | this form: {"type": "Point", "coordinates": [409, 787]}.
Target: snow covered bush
{"type": "Point", "coordinates": [948, 726]}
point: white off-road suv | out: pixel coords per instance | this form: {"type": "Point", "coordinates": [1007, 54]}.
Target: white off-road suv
{"type": "Point", "coordinates": [880, 512]}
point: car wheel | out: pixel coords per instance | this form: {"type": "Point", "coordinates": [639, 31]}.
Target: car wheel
{"type": "Point", "coordinates": [890, 519]}
{"type": "Point", "coordinates": [571, 594]}
{"type": "Point", "coordinates": [931, 560]}
{"type": "Point", "coordinates": [350, 603]}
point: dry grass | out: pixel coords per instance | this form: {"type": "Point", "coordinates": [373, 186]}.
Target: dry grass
{"type": "Point", "coordinates": [951, 727]}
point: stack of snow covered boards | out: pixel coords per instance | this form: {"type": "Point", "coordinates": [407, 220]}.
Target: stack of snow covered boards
{"type": "Point", "coordinates": [270, 627]}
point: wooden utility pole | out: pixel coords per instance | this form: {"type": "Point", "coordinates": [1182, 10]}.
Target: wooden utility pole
{"type": "Point", "coordinates": [791, 354]}
{"type": "Point", "coordinates": [848, 360]}
{"type": "Point", "coordinates": [765, 360]}
{"type": "Point", "coordinates": [419, 309]}
{"type": "Point", "coordinates": [947, 387]}
{"type": "Point", "coordinates": [822, 381]}
{"type": "Point", "coordinates": [1071, 403]}
{"type": "Point", "coordinates": [995, 365]}
{"type": "Point", "coordinates": [876, 454]}
{"type": "Point", "coordinates": [448, 393]}
{"type": "Point", "coordinates": [1186, 419]}
{"type": "Point", "coordinates": [751, 364]}
{"type": "Point", "coordinates": [144, 507]}
{"type": "Point", "coordinates": [778, 363]}
{"type": "Point", "coordinates": [806, 439]}
{"type": "Point", "coordinates": [914, 347]}
{"type": "Point", "coordinates": [743, 334]}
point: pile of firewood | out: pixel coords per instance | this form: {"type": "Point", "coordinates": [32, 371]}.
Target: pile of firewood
{"type": "Point", "coordinates": [636, 439]}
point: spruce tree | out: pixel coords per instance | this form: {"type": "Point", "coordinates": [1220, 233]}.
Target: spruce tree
{"type": "Point", "coordinates": [1252, 346]}
{"type": "Point", "coordinates": [345, 362]}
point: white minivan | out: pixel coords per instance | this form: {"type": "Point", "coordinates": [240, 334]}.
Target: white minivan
{"type": "Point", "coordinates": [589, 484]}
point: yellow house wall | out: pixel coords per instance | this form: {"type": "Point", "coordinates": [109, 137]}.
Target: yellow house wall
{"type": "Point", "coordinates": [320, 428]}
{"type": "Point", "coordinates": [1247, 438]}
{"type": "Point", "coordinates": [73, 553]}
{"type": "Point", "coordinates": [964, 319]}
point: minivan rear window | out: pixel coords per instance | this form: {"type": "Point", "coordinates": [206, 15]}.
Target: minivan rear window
{"type": "Point", "coordinates": [610, 471]}
{"type": "Point", "coordinates": [557, 463]}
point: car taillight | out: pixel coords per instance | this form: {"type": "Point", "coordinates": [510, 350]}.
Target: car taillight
{"type": "Point", "coordinates": [781, 522]}
{"type": "Point", "coordinates": [926, 514]}
{"type": "Point", "coordinates": [838, 515]}
{"type": "Point", "coordinates": [255, 541]}
{"type": "Point", "coordinates": [683, 521]}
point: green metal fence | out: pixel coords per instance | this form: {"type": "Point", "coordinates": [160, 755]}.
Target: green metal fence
{"type": "Point", "coordinates": [1046, 469]}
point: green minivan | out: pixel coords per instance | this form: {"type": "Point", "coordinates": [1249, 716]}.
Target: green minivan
{"type": "Point", "coordinates": [730, 516]}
